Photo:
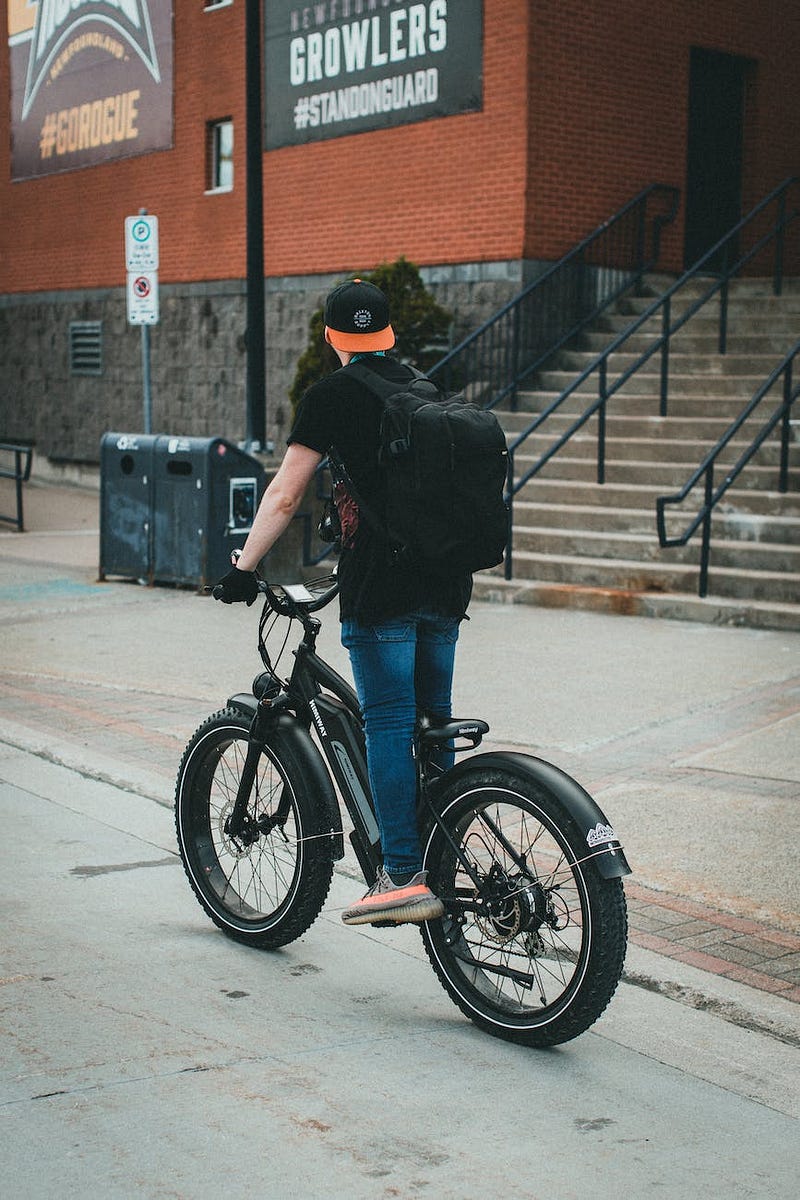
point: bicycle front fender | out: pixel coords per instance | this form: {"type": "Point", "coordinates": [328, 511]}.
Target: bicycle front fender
{"type": "Point", "coordinates": [601, 841]}
{"type": "Point", "coordinates": [305, 756]}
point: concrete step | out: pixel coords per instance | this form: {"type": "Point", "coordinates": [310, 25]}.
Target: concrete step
{"type": "Point", "coordinates": [635, 575]}
{"type": "Point", "coordinates": [729, 525]}
{"type": "Point", "coordinates": [642, 495]}
{"type": "Point", "coordinates": [655, 449]}
{"type": "Point", "coordinates": [705, 323]}
{"type": "Point", "coordinates": [707, 429]}
{"type": "Point", "coordinates": [655, 284]}
{"type": "Point", "coordinates": [667, 476]}
{"type": "Point", "coordinates": [644, 548]}
{"type": "Point", "coordinates": [770, 342]}
{"type": "Point", "coordinates": [681, 363]}
{"type": "Point", "coordinates": [675, 606]}
{"type": "Point", "coordinates": [739, 304]}
{"type": "Point", "coordinates": [632, 404]}
{"type": "Point", "coordinates": [588, 545]}
{"type": "Point", "coordinates": [647, 383]}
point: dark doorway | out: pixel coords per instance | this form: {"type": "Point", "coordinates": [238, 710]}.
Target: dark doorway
{"type": "Point", "coordinates": [714, 152]}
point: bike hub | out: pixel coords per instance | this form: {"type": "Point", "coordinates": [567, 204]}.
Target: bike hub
{"type": "Point", "coordinates": [512, 905]}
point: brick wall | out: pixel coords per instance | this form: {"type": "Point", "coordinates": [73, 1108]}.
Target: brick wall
{"type": "Point", "coordinates": [68, 228]}
{"type": "Point", "coordinates": [442, 191]}
{"type": "Point", "coordinates": [584, 104]}
{"type": "Point", "coordinates": [608, 105]}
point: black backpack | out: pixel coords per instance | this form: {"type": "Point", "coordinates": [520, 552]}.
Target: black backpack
{"type": "Point", "coordinates": [444, 466]}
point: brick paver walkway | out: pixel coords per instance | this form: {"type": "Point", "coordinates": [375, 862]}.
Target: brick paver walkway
{"type": "Point", "coordinates": [721, 943]}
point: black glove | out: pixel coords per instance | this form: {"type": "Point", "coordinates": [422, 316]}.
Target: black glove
{"type": "Point", "coordinates": [237, 586]}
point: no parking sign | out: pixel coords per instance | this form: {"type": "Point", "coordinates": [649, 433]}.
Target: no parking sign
{"type": "Point", "coordinates": [143, 297]}
{"type": "Point", "coordinates": [141, 261]}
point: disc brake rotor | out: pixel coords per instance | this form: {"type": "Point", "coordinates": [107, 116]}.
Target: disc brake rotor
{"type": "Point", "coordinates": [240, 846]}
{"type": "Point", "coordinates": [516, 905]}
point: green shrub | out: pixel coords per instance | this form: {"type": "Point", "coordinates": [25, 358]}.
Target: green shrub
{"type": "Point", "coordinates": [420, 325]}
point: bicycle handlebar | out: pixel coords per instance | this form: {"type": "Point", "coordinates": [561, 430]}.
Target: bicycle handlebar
{"type": "Point", "coordinates": [300, 599]}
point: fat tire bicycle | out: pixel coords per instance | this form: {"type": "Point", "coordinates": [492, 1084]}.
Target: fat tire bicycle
{"type": "Point", "coordinates": [532, 941]}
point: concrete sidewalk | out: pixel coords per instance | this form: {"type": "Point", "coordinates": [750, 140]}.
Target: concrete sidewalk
{"type": "Point", "coordinates": [145, 1055]}
{"type": "Point", "coordinates": [687, 734]}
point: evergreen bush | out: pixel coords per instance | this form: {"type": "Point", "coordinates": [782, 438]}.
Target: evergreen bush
{"type": "Point", "coordinates": [420, 324]}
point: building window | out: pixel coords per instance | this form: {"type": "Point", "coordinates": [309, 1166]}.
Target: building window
{"type": "Point", "coordinates": [220, 155]}
{"type": "Point", "coordinates": [86, 347]}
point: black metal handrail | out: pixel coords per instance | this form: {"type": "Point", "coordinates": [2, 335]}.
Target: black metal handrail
{"type": "Point", "coordinates": [20, 474]}
{"type": "Point", "coordinates": [712, 495]}
{"type": "Point", "coordinates": [513, 344]}
{"type": "Point", "coordinates": [599, 366]}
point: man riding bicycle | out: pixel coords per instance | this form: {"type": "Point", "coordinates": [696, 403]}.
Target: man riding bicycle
{"type": "Point", "coordinates": [399, 621]}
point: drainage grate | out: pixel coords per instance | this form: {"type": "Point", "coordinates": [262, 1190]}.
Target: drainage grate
{"type": "Point", "coordinates": [86, 347]}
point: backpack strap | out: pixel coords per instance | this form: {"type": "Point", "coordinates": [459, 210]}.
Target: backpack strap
{"type": "Point", "coordinates": [383, 388]}
{"type": "Point", "coordinates": [340, 475]}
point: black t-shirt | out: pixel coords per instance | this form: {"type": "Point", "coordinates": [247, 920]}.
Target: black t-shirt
{"type": "Point", "coordinates": [342, 414]}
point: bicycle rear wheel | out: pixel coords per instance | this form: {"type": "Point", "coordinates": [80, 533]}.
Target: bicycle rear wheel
{"type": "Point", "coordinates": [267, 887]}
{"type": "Point", "coordinates": [534, 951]}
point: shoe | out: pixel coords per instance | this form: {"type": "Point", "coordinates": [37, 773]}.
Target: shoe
{"type": "Point", "coordinates": [390, 903]}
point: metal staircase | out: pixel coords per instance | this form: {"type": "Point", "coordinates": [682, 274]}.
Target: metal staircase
{"type": "Point", "coordinates": [619, 390]}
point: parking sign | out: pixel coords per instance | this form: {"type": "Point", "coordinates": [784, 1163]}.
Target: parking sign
{"type": "Point", "coordinates": [141, 243]}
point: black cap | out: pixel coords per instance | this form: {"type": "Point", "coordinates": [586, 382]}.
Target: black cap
{"type": "Point", "coordinates": [357, 317]}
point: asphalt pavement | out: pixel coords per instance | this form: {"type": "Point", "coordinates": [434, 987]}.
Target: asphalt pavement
{"type": "Point", "coordinates": [144, 1054]}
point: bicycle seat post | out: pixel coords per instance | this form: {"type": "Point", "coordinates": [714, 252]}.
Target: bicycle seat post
{"type": "Point", "coordinates": [423, 753]}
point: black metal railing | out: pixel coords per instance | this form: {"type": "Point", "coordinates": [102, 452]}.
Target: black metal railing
{"type": "Point", "coordinates": [20, 473]}
{"type": "Point", "coordinates": [518, 340]}
{"type": "Point", "coordinates": [767, 223]}
{"type": "Point", "coordinates": [713, 494]}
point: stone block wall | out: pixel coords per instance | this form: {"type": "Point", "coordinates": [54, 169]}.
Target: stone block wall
{"type": "Point", "coordinates": [198, 358]}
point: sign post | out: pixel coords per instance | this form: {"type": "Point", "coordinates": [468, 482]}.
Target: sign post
{"type": "Point", "coordinates": [141, 263]}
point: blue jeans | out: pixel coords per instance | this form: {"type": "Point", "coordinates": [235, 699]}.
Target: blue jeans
{"type": "Point", "coordinates": [399, 666]}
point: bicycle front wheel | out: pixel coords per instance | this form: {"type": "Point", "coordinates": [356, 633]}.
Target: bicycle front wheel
{"type": "Point", "coordinates": [532, 942]}
{"type": "Point", "coordinates": [266, 887]}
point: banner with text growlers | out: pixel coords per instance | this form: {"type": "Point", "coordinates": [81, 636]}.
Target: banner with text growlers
{"type": "Point", "coordinates": [347, 66]}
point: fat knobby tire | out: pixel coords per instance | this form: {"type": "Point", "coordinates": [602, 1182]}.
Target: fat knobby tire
{"type": "Point", "coordinates": [269, 892]}
{"type": "Point", "coordinates": [574, 963]}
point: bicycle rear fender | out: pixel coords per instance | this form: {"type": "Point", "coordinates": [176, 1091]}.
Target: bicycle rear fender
{"type": "Point", "coordinates": [601, 840]}
{"type": "Point", "coordinates": [305, 752]}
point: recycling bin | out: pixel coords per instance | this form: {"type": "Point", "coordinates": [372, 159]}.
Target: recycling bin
{"type": "Point", "coordinates": [205, 495]}
{"type": "Point", "coordinates": [126, 504]}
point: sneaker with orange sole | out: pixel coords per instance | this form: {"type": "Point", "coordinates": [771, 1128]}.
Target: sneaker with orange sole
{"type": "Point", "coordinates": [390, 903]}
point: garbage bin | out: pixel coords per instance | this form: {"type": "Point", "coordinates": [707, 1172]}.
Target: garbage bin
{"type": "Point", "coordinates": [126, 501]}
{"type": "Point", "coordinates": [205, 495]}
